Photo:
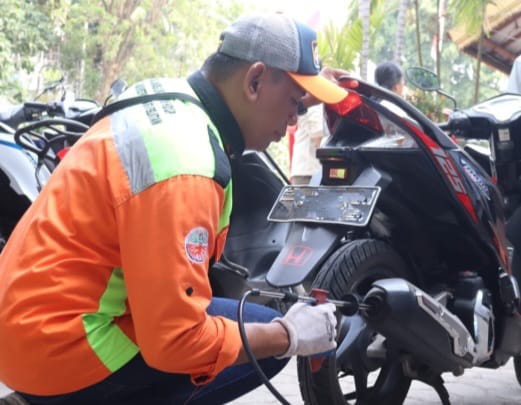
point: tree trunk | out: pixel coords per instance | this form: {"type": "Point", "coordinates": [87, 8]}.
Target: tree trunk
{"type": "Point", "coordinates": [124, 11]}
{"type": "Point", "coordinates": [437, 44]}
{"type": "Point", "coordinates": [400, 29]}
{"type": "Point", "coordinates": [364, 9]}
{"type": "Point", "coordinates": [418, 40]}
{"type": "Point", "coordinates": [478, 64]}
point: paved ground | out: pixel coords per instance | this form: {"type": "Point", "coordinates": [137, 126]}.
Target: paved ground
{"type": "Point", "coordinates": [475, 387]}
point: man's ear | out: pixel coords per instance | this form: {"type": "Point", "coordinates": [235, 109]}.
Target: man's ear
{"type": "Point", "coordinates": [254, 79]}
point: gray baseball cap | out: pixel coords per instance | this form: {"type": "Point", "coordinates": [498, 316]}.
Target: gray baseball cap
{"type": "Point", "coordinates": [283, 43]}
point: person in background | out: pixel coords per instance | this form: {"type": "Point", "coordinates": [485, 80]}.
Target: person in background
{"type": "Point", "coordinates": [514, 80]}
{"type": "Point", "coordinates": [104, 289]}
{"type": "Point", "coordinates": [390, 76]}
{"type": "Point", "coordinates": [308, 135]}
{"type": "Point", "coordinates": [307, 139]}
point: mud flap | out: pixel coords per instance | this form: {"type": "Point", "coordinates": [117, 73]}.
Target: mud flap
{"type": "Point", "coordinates": [305, 249]}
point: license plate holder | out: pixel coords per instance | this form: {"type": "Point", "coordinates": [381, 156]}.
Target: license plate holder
{"type": "Point", "coordinates": [344, 205]}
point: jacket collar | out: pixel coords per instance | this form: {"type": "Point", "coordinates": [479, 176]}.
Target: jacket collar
{"type": "Point", "coordinates": [219, 113]}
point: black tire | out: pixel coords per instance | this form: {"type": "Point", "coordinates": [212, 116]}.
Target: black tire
{"type": "Point", "coordinates": [352, 269]}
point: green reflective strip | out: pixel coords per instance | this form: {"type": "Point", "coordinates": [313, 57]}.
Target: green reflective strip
{"type": "Point", "coordinates": [187, 152]}
{"type": "Point", "coordinates": [107, 340]}
{"type": "Point", "coordinates": [179, 145]}
{"type": "Point", "coordinates": [224, 219]}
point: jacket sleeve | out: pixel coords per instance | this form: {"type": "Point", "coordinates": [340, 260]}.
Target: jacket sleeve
{"type": "Point", "coordinates": [167, 235]}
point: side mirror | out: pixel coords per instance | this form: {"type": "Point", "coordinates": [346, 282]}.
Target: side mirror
{"type": "Point", "coordinates": [117, 87]}
{"type": "Point", "coordinates": [423, 79]}
{"type": "Point", "coordinates": [426, 80]}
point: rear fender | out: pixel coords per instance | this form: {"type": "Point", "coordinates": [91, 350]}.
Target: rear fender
{"type": "Point", "coordinates": [306, 247]}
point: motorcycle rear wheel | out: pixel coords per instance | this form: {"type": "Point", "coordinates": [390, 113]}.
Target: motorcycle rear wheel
{"type": "Point", "coordinates": [352, 269]}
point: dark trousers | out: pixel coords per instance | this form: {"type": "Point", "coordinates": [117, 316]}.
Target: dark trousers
{"type": "Point", "coordinates": [137, 383]}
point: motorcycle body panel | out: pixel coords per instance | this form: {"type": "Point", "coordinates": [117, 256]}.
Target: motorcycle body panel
{"type": "Point", "coordinates": [495, 125]}
{"type": "Point", "coordinates": [438, 208]}
{"type": "Point", "coordinates": [31, 140]}
{"type": "Point", "coordinates": [18, 183]}
{"type": "Point", "coordinates": [19, 166]}
{"type": "Point", "coordinates": [303, 252]}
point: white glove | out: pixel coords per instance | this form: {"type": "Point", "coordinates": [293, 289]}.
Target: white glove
{"type": "Point", "coordinates": [311, 329]}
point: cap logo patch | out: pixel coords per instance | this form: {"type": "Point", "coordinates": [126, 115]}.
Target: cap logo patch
{"type": "Point", "coordinates": [196, 245]}
{"type": "Point", "coordinates": [314, 52]}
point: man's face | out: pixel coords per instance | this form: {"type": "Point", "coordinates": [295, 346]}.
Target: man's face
{"type": "Point", "coordinates": [398, 87]}
{"type": "Point", "coordinates": [274, 109]}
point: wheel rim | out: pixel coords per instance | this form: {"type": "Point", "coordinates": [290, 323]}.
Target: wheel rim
{"type": "Point", "coordinates": [352, 359]}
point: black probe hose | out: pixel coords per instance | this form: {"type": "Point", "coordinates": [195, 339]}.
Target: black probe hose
{"type": "Point", "coordinates": [249, 353]}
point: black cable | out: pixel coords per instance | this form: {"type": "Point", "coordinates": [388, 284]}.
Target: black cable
{"type": "Point", "coordinates": [249, 353]}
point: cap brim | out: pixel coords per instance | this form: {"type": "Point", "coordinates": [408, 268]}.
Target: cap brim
{"type": "Point", "coordinates": [320, 87]}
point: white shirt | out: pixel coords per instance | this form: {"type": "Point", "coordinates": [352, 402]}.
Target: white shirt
{"type": "Point", "coordinates": [308, 137]}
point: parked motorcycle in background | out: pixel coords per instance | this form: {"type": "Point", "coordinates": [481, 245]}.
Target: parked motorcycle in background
{"type": "Point", "coordinates": [490, 132]}
{"type": "Point", "coordinates": [34, 136]}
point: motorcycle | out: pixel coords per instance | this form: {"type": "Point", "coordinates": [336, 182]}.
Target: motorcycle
{"type": "Point", "coordinates": [488, 131]}
{"type": "Point", "coordinates": [400, 217]}
{"type": "Point", "coordinates": [34, 136]}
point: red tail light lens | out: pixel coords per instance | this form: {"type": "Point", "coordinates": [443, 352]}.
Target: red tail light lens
{"type": "Point", "coordinates": [348, 104]}
{"type": "Point", "coordinates": [353, 107]}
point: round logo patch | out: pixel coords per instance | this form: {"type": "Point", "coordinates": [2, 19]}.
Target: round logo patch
{"type": "Point", "coordinates": [196, 245]}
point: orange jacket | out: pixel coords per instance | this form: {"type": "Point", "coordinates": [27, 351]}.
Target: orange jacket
{"type": "Point", "coordinates": [113, 256]}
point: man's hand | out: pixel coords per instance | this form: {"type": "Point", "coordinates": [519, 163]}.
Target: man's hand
{"type": "Point", "coordinates": [332, 74]}
{"type": "Point", "coordinates": [311, 329]}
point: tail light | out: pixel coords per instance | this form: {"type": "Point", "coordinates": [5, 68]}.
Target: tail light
{"type": "Point", "coordinates": [61, 153]}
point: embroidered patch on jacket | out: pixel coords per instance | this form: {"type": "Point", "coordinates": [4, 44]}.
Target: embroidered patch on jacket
{"type": "Point", "coordinates": [196, 244]}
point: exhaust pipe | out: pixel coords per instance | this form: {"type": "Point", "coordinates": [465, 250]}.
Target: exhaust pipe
{"type": "Point", "coordinates": [415, 323]}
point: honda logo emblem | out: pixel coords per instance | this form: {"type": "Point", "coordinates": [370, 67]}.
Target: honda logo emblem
{"type": "Point", "coordinates": [298, 255]}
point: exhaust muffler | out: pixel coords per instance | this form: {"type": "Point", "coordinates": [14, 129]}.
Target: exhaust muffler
{"type": "Point", "coordinates": [415, 323]}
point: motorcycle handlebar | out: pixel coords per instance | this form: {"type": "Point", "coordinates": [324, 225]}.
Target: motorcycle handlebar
{"type": "Point", "coordinates": [53, 108]}
{"type": "Point", "coordinates": [444, 126]}
{"type": "Point", "coordinates": [34, 138]}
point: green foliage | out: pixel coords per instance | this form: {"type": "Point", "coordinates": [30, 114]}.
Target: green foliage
{"type": "Point", "coordinates": [94, 43]}
{"type": "Point", "coordinates": [25, 31]}
{"type": "Point", "coordinates": [430, 103]}
{"type": "Point", "coordinates": [469, 14]}
{"type": "Point", "coordinates": [340, 46]}
{"type": "Point", "coordinates": [458, 70]}
{"type": "Point", "coordinates": [153, 38]}
{"type": "Point", "coordinates": [279, 151]}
